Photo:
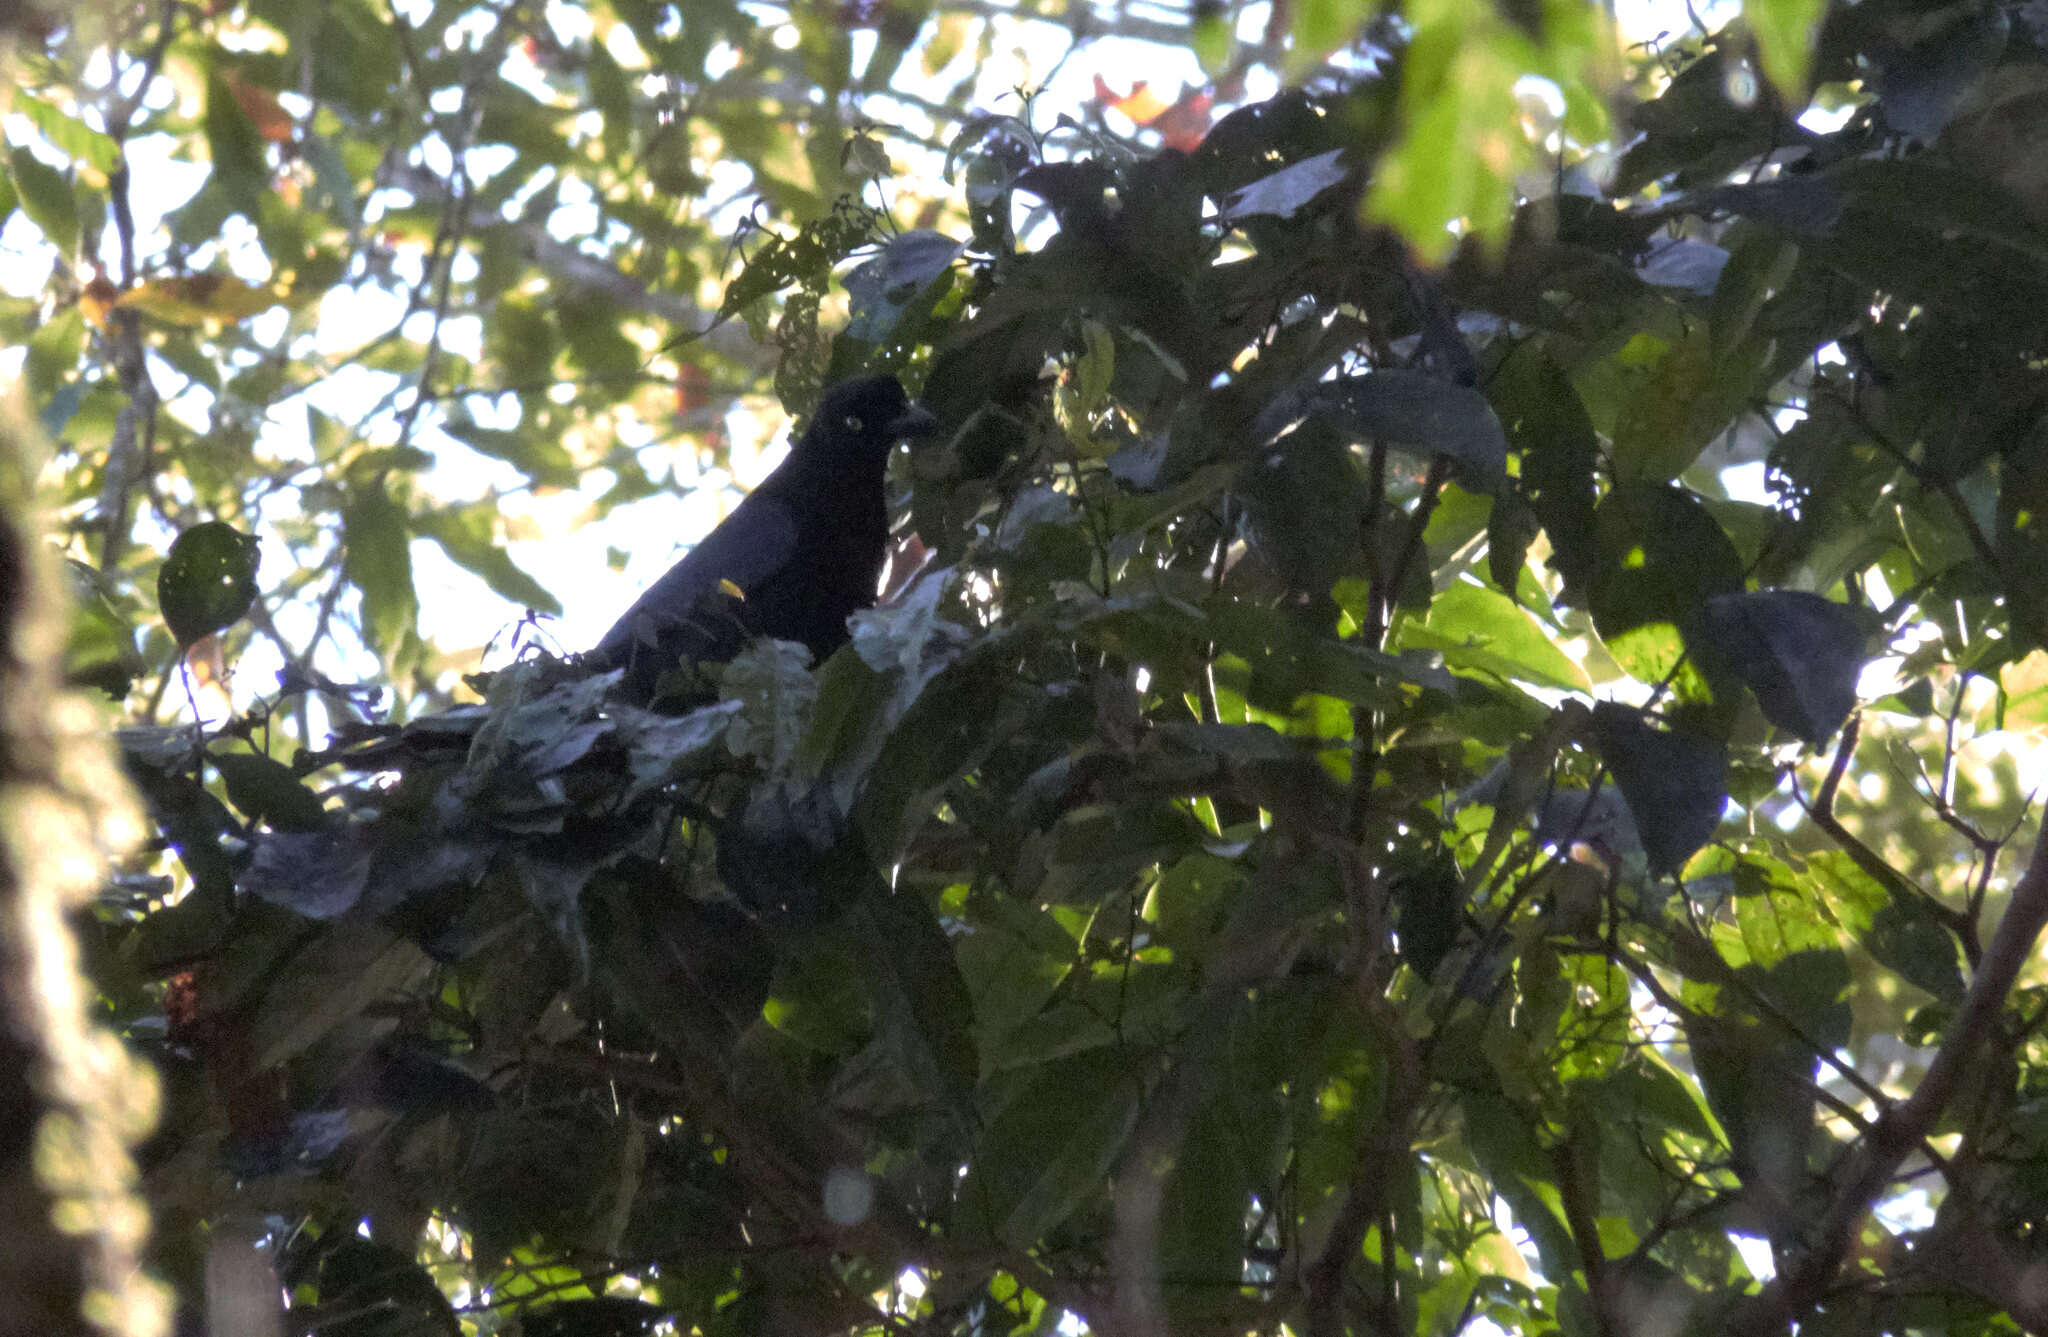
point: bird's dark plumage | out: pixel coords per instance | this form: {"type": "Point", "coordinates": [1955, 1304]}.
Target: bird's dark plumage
{"type": "Point", "coordinates": [804, 550]}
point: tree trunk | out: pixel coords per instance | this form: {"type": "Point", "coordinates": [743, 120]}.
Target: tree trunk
{"type": "Point", "coordinates": [71, 1099]}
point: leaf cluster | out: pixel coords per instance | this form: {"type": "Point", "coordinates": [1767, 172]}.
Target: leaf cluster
{"type": "Point", "coordinates": [1352, 778]}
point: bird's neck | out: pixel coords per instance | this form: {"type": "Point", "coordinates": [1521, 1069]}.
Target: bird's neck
{"type": "Point", "coordinates": [839, 489]}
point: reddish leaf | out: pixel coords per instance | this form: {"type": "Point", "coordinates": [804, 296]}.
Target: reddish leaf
{"type": "Point", "coordinates": [262, 108]}
{"type": "Point", "coordinates": [1141, 104]}
{"type": "Point", "coordinates": [1184, 123]}
{"type": "Point", "coordinates": [693, 388]}
{"type": "Point", "coordinates": [1181, 123]}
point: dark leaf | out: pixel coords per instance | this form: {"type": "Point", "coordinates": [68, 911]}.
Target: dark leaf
{"type": "Point", "coordinates": [785, 856]}
{"type": "Point", "coordinates": [1511, 526]}
{"type": "Point", "coordinates": [1801, 654]}
{"type": "Point", "coordinates": [552, 879]}
{"type": "Point", "coordinates": [1908, 936]}
{"type": "Point", "coordinates": [1661, 557]}
{"type": "Point", "coordinates": [1758, 1082]}
{"type": "Point", "coordinates": [208, 580]}
{"type": "Point", "coordinates": [1597, 817]}
{"type": "Point", "coordinates": [1675, 783]}
{"type": "Point", "coordinates": [1002, 149]}
{"type": "Point", "coordinates": [1306, 503]}
{"type": "Point", "coordinates": [308, 1142]}
{"type": "Point", "coordinates": [1681, 262]}
{"type": "Point", "coordinates": [598, 1316]}
{"type": "Point", "coordinates": [1410, 410]}
{"type": "Point", "coordinates": [926, 1012]}
{"type": "Point", "coordinates": [1428, 893]}
{"type": "Point", "coordinates": [381, 1292]}
{"type": "Point", "coordinates": [270, 791]}
{"type": "Point", "coordinates": [1920, 87]}
{"type": "Point", "coordinates": [319, 874]}
{"type": "Point", "coordinates": [1546, 421]}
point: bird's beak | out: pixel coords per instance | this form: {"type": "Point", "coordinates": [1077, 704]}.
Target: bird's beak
{"type": "Point", "coordinates": [914, 421]}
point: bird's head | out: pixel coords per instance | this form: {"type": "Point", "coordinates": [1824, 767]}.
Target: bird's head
{"type": "Point", "coordinates": [864, 417]}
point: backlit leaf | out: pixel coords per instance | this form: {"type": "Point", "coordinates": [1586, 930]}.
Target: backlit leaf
{"type": "Point", "coordinates": [208, 580]}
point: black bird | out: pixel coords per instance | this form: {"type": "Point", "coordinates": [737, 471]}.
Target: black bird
{"type": "Point", "coordinates": [801, 553]}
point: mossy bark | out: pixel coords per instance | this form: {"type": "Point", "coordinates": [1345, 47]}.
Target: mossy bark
{"type": "Point", "coordinates": [72, 1100]}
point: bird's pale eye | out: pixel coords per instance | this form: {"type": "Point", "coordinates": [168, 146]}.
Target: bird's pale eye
{"type": "Point", "coordinates": [851, 422]}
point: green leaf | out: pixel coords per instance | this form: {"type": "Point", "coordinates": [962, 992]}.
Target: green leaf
{"type": "Point", "coordinates": [596, 342]}
{"type": "Point", "coordinates": [1909, 937]}
{"type": "Point", "coordinates": [54, 351]}
{"type": "Point", "coordinates": [1454, 164]}
{"type": "Point", "coordinates": [960, 714]}
{"type": "Point", "coordinates": [45, 196]}
{"type": "Point", "coordinates": [1812, 988]}
{"type": "Point", "coordinates": [1758, 1081]}
{"type": "Point", "coordinates": [1662, 557]}
{"type": "Point", "coordinates": [1778, 917]}
{"type": "Point", "coordinates": [1902, 930]}
{"type": "Point", "coordinates": [100, 651]}
{"type": "Point", "coordinates": [1049, 1149]}
{"type": "Point", "coordinates": [1759, 268]}
{"type": "Point", "coordinates": [921, 995]}
{"type": "Point", "coordinates": [1507, 1150]}
{"type": "Point", "coordinates": [1477, 628]}
{"type": "Point", "coordinates": [1012, 963]}
{"type": "Point", "coordinates": [468, 535]}
{"type": "Point", "coordinates": [612, 92]}
{"type": "Point", "coordinates": [208, 580]}
{"type": "Point", "coordinates": [1785, 32]}
{"type": "Point", "coordinates": [376, 538]}
{"type": "Point", "coordinates": [241, 167]}
{"type": "Point", "coordinates": [1669, 417]}
{"type": "Point", "coordinates": [772, 682]}
{"type": "Point", "coordinates": [267, 790]}
{"type": "Point", "coordinates": [1645, 1088]}
{"type": "Point", "coordinates": [511, 115]}
{"type": "Point", "coordinates": [1319, 27]}
{"type": "Point", "coordinates": [1212, 39]}
{"type": "Point", "coordinates": [523, 341]}
{"type": "Point", "coordinates": [537, 455]}
{"type": "Point", "coordinates": [70, 136]}
{"type": "Point", "coordinates": [1511, 526]}
{"type": "Point", "coordinates": [1202, 1233]}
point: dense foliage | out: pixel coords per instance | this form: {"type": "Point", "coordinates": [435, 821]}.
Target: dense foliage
{"type": "Point", "coordinates": [1363, 820]}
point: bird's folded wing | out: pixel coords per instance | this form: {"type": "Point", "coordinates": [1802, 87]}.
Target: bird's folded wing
{"type": "Point", "coordinates": [754, 542]}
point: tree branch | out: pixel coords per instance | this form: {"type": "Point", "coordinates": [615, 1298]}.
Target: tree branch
{"type": "Point", "coordinates": [1864, 1171]}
